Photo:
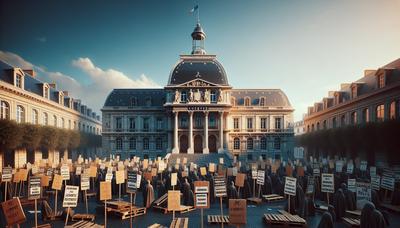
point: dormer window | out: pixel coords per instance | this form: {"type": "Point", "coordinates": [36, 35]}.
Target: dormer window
{"type": "Point", "coordinates": [354, 91]}
{"type": "Point", "coordinates": [46, 91]}
{"type": "Point", "coordinates": [381, 81]}
{"type": "Point", "coordinates": [247, 101]}
{"type": "Point", "coordinates": [60, 98]}
{"type": "Point", "coordinates": [262, 101]}
{"type": "Point", "coordinates": [18, 81]}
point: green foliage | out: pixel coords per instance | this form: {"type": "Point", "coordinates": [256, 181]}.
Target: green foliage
{"type": "Point", "coordinates": [31, 136]}
{"type": "Point", "coordinates": [50, 138]}
{"type": "Point", "coordinates": [10, 135]}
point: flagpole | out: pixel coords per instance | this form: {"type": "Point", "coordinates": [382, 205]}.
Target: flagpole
{"type": "Point", "coordinates": [198, 14]}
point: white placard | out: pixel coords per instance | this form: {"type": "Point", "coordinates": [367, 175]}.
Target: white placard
{"type": "Point", "coordinates": [363, 191]}
{"type": "Point", "coordinates": [85, 184]}
{"type": "Point", "coordinates": [64, 172]}
{"type": "Point", "coordinates": [201, 189]}
{"type": "Point", "coordinates": [339, 166]}
{"type": "Point", "coordinates": [363, 165]}
{"type": "Point", "coordinates": [327, 183]}
{"type": "Point", "coordinates": [290, 186]}
{"type": "Point", "coordinates": [109, 177]}
{"type": "Point", "coordinates": [260, 177]}
{"type": "Point", "coordinates": [350, 168]}
{"type": "Point", "coordinates": [372, 171]}
{"type": "Point", "coordinates": [376, 182]}
{"type": "Point", "coordinates": [71, 196]}
{"type": "Point", "coordinates": [387, 183]}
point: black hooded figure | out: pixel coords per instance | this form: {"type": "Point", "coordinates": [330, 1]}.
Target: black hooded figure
{"type": "Point", "coordinates": [375, 198]}
{"type": "Point", "coordinates": [232, 193]}
{"type": "Point", "coordinates": [326, 221]}
{"type": "Point", "coordinates": [350, 198]}
{"type": "Point", "coordinates": [161, 188]}
{"type": "Point", "coordinates": [377, 220]}
{"type": "Point", "coordinates": [300, 202]}
{"type": "Point", "coordinates": [268, 185]}
{"type": "Point", "coordinates": [339, 202]}
{"type": "Point", "coordinates": [144, 192]}
{"type": "Point", "coordinates": [331, 210]}
{"type": "Point", "coordinates": [366, 215]}
{"type": "Point", "coordinates": [186, 192]}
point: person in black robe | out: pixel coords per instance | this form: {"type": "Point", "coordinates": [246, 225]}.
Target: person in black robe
{"type": "Point", "coordinates": [161, 188]}
{"type": "Point", "coordinates": [350, 198]}
{"type": "Point", "coordinates": [300, 202]}
{"type": "Point", "coordinates": [231, 193]}
{"type": "Point", "coordinates": [375, 198]}
{"type": "Point", "coordinates": [366, 215]}
{"type": "Point", "coordinates": [377, 220]}
{"type": "Point", "coordinates": [339, 202]}
{"type": "Point", "coordinates": [144, 191]}
{"type": "Point", "coordinates": [186, 192]}
{"type": "Point", "coordinates": [331, 210]}
{"type": "Point", "coordinates": [326, 221]}
{"type": "Point", "coordinates": [247, 190]}
{"type": "Point", "coordinates": [267, 188]}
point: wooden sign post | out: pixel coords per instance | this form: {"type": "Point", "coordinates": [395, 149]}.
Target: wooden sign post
{"type": "Point", "coordinates": [202, 200]}
{"type": "Point", "coordinates": [327, 184]}
{"type": "Point", "coordinates": [237, 212]}
{"type": "Point", "coordinates": [220, 191]}
{"type": "Point", "coordinates": [34, 192]}
{"type": "Point", "coordinates": [57, 184]}
{"type": "Point", "coordinates": [290, 188]}
{"type": "Point", "coordinates": [6, 177]}
{"type": "Point", "coordinates": [133, 183]}
{"type": "Point", "coordinates": [70, 198]}
{"type": "Point", "coordinates": [119, 179]}
{"type": "Point", "coordinates": [13, 212]}
{"type": "Point", "coordinates": [239, 181]}
{"type": "Point", "coordinates": [85, 185]}
{"type": "Point", "coordinates": [105, 194]}
{"type": "Point", "coordinates": [254, 177]}
{"type": "Point", "coordinates": [174, 202]}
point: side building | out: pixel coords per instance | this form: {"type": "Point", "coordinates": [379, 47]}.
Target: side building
{"type": "Point", "coordinates": [26, 99]}
{"type": "Point", "coordinates": [198, 112]}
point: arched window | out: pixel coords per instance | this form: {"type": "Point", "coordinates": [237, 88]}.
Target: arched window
{"type": "Point", "coordinates": [118, 143]}
{"type": "Point", "coordinates": [35, 116]}
{"type": "Point", "coordinates": [62, 123]}
{"type": "Point", "coordinates": [263, 143]}
{"type": "Point", "coordinates": [20, 114]}
{"type": "Point", "coordinates": [334, 122]}
{"type": "Point", "coordinates": [249, 143]}
{"type": "Point", "coordinates": [132, 143]}
{"type": "Point", "coordinates": [146, 144]}
{"type": "Point", "coordinates": [159, 143]}
{"type": "Point", "coordinates": [55, 120]}
{"type": "Point", "coordinates": [262, 101]}
{"type": "Point", "coordinates": [392, 111]}
{"type": "Point", "coordinates": [343, 121]}
{"type": "Point", "coordinates": [247, 101]}
{"type": "Point", "coordinates": [318, 126]}
{"type": "Point", "coordinates": [45, 119]}
{"type": "Point", "coordinates": [69, 124]}
{"type": "Point", "coordinates": [236, 144]}
{"type": "Point", "coordinates": [380, 113]}
{"type": "Point", "coordinates": [183, 97]}
{"type": "Point", "coordinates": [354, 118]}
{"type": "Point", "coordinates": [4, 110]}
{"type": "Point", "coordinates": [277, 143]}
{"type": "Point", "coordinates": [324, 124]}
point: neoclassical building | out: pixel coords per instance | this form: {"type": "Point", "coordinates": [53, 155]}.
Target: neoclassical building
{"type": "Point", "coordinates": [198, 111]}
{"type": "Point", "coordinates": [26, 99]}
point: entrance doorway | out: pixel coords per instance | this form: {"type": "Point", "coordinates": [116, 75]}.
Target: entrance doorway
{"type": "Point", "coordinates": [212, 144]}
{"type": "Point", "coordinates": [183, 144]}
{"type": "Point", "coordinates": [198, 144]}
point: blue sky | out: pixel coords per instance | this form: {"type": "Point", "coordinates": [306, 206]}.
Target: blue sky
{"type": "Point", "coordinates": [304, 47]}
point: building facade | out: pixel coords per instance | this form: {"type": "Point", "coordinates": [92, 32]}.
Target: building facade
{"type": "Point", "coordinates": [199, 112]}
{"type": "Point", "coordinates": [374, 97]}
{"type": "Point", "coordinates": [26, 99]}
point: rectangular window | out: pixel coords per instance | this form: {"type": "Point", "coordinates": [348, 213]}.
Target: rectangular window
{"type": "Point", "coordinates": [213, 97]}
{"type": "Point", "coordinates": [366, 115]}
{"type": "Point", "coordinates": [146, 124]}
{"type": "Point", "coordinates": [278, 123]}
{"type": "Point", "coordinates": [159, 124]}
{"type": "Point", "coordinates": [118, 123]}
{"type": "Point", "coordinates": [392, 114]}
{"type": "Point", "coordinates": [380, 112]}
{"type": "Point", "coordinates": [18, 81]}
{"type": "Point", "coordinates": [354, 92]}
{"type": "Point", "coordinates": [132, 124]}
{"type": "Point", "coordinates": [249, 123]}
{"type": "Point", "coordinates": [46, 93]}
{"type": "Point", "coordinates": [198, 121]}
{"type": "Point", "coordinates": [381, 81]}
{"type": "Point", "coordinates": [183, 122]}
{"type": "Point", "coordinates": [263, 123]}
{"type": "Point", "coordinates": [236, 123]}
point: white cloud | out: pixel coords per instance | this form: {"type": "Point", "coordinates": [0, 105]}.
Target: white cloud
{"type": "Point", "coordinates": [94, 93]}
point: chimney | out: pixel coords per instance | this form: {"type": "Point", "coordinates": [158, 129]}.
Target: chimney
{"type": "Point", "coordinates": [344, 85]}
{"type": "Point", "coordinates": [367, 72]}
{"type": "Point", "coordinates": [53, 85]}
{"type": "Point", "coordinates": [31, 72]}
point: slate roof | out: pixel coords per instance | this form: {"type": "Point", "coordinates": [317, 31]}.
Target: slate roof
{"type": "Point", "coordinates": [274, 97]}
{"type": "Point", "coordinates": [124, 97]}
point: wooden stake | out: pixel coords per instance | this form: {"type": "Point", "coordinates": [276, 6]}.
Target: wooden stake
{"type": "Point", "coordinates": [259, 190]}
{"type": "Point", "coordinates": [5, 192]}
{"type": "Point", "coordinates": [130, 222]}
{"type": "Point", "coordinates": [55, 204]}
{"type": "Point", "coordinates": [289, 204]}
{"type": "Point", "coordinates": [105, 213]}
{"type": "Point", "coordinates": [86, 202]}
{"type": "Point", "coordinates": [254, 188]}
{"type": "Point", "coordinates": [239, 192]}
{"type": "Point", "coordinates": [36, 221]}
{"type": "Point", "coordinates": [327, 196]}
{"type": "Point", "coordinates": [119, 192]}
{"type": "Point", "coordinates": [202, 222]}
{"type": "Point", "coordinates": [66, 219]}
{"type": "Point", "coordinates": [222, 211]}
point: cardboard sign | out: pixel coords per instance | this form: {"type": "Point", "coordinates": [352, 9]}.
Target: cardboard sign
{"type": "Point", "coordinates": [105, 190]}
{"type": "Point", "coordinates": [372, 171]}
{"type": "Point", "coordinates": [201, 191]}
{"type": "Point", "coordinates": [300, 171]}
{"type": "Point", "coordinates": [64, 172]}
{"type": "Point", "coordinates": [260, 177]}
{"type": "Point", "coordinates": [78, 170]}
{"type": "Point", "coordinates": [23, 174]}
{"type": "Point", "coordinates": [93, 171]}
{"type": "Point", "coordinates": [237, 211]}
{"type": "Point", "coordinates": [211, 168]}
{"type": "Point", "coordinates": [239, 180]}
{"type": "Point", "coordinates": [363, 191]}
{"type": "Point", "coordinates": [85, 184]}
{"type": "Point", "coordinates": [6, 174]}
{"type": "Point", "coordinates": [310, 185]}
{"type": "Point", "coordinates": [35, 187]}
{"type": "Point", "coordinates": [254, 174]}
{"type": "Point", "coordinates": [44, 181]}
{"type": "Point", "coordinates": [351, 185]}
{"type": "Point", "coordinates": [71, 196]}
{"type": "Point", "coordinates": [57, 182]}
{"type": "Point", "coordinates": [120, 176]}
{"type": "Point", "coordinates": [290, 186]}
{"type": "Point", "coordinates": [13, 212]}
{"type": "Point", "coordinates": [174, 178]}
{"type": "Point", "coordinates": [376, 182]}
{"type": "Point", "coordinates": [174, 200]}
{"type": "Point", "coordinates": [145, 163]}
{"type": "Point", "coordinates": [327, 183]}
{"type": "Point", "coordinates": [350, 168]}
{"type": "Point", "coordinates": [203, 171]}
{"type": "Point", "coordinates": [387, 183]}
{"type": "Point", "coordinates": [219, 186]}
{"type": "Point", "coordinates": [363, 165]}
{"type": "Point", "coordinates": [109, 177]}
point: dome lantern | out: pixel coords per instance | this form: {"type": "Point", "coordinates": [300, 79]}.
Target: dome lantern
{"type": "Point", "coordinates": [198, 37]}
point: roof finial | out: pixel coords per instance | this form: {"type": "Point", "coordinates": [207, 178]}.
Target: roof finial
{"type": "Point", "coordinates": [196, 9]}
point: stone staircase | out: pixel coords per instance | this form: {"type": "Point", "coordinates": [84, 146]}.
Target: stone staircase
{"type": "Point", "coordinates": [201, 159]}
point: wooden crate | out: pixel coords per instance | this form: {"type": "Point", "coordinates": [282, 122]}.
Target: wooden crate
{"type": "Point", "coordinates": [352, 222]}
{"type": "Point", "coordinates": [285, 219]}
{"type": "Point", "coordinates": [84, 224]}
{"type": "Point", "coordinates": [273, 197]}
{"type": "Point", "coordinates": [88, 217]}
{"type": "Point", "coordinates": [216, 219]}
{"type": "Point", "coordinates": [179, 223]}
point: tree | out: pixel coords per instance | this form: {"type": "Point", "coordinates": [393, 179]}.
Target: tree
{"type": "Point", "coordinates": [10, 135]}
{"type": "Point", "coordinates": [50, 137]}
{"type": "Point", "coordinates": [31, 136]}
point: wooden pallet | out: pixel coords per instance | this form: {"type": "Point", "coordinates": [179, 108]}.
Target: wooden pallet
{"type": "Point", "coordinates": [390, 207]}
{"type": "Point", "coordinates": [285, 219]}
{"type": "Point", "coordinates": [161, 200]}
{"type": "Point", "coordinates": [123, 209]}
{"type": "Point", "coordinates": [354, 214]}
{"type": "Point", "coordinates": [183, 209]}
{"type": "Point", "coordinates": [47, 225]}
{"type": "Point", "coordinates": [84, 224]}
{"type": "Point", "coordinates": [136, 211]}
{"type": "Point", "coordinates": [216, 219]}
{"type": "Point", "coordinates": [179, 223]}
{"type": "Point", "coordinates": [352, 222]}
{"type": "Point", "coordinates": [87, 217]}
{"type": "Point", "coordinates": [156, 225]}
{"type": "Point", "coordinates": [273, 197]}
{"type": "Point", "coordinates": [255, 200]}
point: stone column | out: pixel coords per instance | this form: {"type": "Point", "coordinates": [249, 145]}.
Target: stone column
{"type": "Point", "coordinates": [190, 148]}
{"type": "Point", "coordinates": [221, 132]}
{"type": "Point", "coordinates": [205, 148]}
{"type": "Point", "coordinates": [175, 150]}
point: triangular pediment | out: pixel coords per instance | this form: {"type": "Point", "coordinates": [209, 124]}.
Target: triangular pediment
{"type": "Point", "coordinates": [197, 83]}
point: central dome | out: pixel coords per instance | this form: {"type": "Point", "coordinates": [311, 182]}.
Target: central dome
{"type": "Point", "coordinates": [204, 67]}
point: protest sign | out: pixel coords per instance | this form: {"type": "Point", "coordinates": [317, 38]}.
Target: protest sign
{"type": "Point", "coordinates": [387, 183]}
{"type": "Point", "coordinates": [260, 177]}
{"type": "Point", "coordinates": [120, 177]}
{"type": "Point", "coordinates": [13, 212]}
{"type": "Point", "coordinates": [290, 186]}
{"type": "Point", "coordinates": [351, 185]}
{"type": "Point", "coordinates": [372, 171]}
{"type": "Point", "coordinates": [376, 182]}
{"type": "Point", "coordinates": [85, 184]}
{"type": "Point", "coordinates": [57, 182]}
{"type": "Point", "coordinates": [239, 180]}
{"type": "Point", "coordinates": [34, 189]}
{"type": "Point", "coordinates": [363, 191]}
{"type": "Point", "coordinates": [174, 179]}
{"type": "Point", "coordinates": [6, 174]}
{"type": "Point", "coordinates": [219, 186]}
{"type": "Point", "coordinates": [174, 200]}
{"type": "Point", "coordinates": [363, 165]}
{"type": "Point", "coordinates": [109, 177]}
{"type": "Point", "coordinates": [237, 211]}
{"type": "Point", "coordinates": [71, 196]}
{"type": "Point", "coordinates": [327, 183]}
{"type": "Point", "coordinates": [201, 191]}
{"type": "Point", "coordinates": [64, 172]}
{"type": "Point", "coordinates": [310, 185]}
{"type": "Point", "coordinates": [105, 190]}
